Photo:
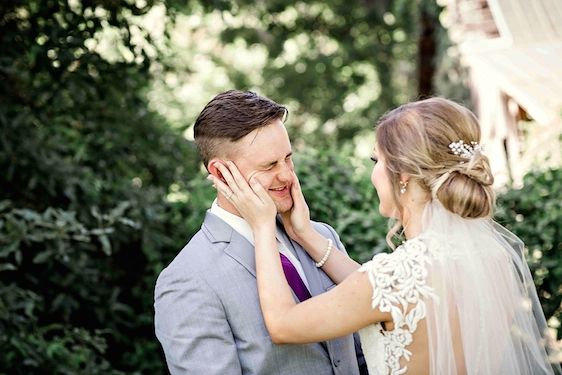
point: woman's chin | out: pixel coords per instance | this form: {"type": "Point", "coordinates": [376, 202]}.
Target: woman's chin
{"type": "Point", "coordinates": [389, 213]}
{"type": "Point", "coordinates": [384, 212]}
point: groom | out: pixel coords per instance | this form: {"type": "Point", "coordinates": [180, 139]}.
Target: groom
{"type": "Point", "coordinates": [207, 312]}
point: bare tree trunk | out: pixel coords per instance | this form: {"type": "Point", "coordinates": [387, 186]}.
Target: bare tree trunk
{"type": "Point", "coordinates": [427, 49]}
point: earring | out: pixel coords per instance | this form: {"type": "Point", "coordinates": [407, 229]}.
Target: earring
{"type": "Point", "coordinates": [403, 186]}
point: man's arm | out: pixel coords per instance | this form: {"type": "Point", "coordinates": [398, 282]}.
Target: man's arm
{"type": "Point", "coordinates": [191, 325]}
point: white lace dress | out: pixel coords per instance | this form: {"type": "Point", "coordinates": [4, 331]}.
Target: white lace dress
{"type": "Point", "coordinates": [399, 287]}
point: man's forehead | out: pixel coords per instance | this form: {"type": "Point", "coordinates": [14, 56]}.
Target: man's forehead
{"type": "Point", "coordinates": [261, 155]}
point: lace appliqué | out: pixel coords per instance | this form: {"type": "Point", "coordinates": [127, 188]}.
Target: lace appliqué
{"type": "Point", "coordinates": [399, 282]}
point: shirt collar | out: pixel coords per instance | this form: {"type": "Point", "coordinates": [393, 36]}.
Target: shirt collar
{"type": "Point", "coordinates": [236, 222]}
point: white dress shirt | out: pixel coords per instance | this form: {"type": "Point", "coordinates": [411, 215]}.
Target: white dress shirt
{"type": "Point", "coordinates": [243, 228]}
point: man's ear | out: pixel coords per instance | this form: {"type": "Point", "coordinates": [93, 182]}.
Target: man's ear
{"type": "Point", "coordinates": [212, 168]}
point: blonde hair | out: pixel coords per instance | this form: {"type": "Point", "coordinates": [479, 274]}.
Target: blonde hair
{"type": "Point", "coordinates": [414, 139]}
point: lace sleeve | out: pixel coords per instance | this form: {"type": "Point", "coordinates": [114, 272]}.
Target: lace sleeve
{"type": "Point", "coordinates": [399, 283]}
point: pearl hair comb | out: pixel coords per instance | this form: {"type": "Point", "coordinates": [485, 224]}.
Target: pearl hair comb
{"type": "Point", "coordinates": [465, 150]}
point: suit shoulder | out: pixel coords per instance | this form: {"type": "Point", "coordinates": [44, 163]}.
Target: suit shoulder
{"type": "Point", "coordinates": [324, 228]}
{"type": "Point", "coordinates": [197, 256]}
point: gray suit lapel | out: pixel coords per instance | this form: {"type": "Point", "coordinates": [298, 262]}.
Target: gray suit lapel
{"type": "Point", "coordinates": [312, 273]}
{"type": "Point", "coordinates": [242, 251]}
{"type": "Point", "coordinates": [238, 248]}
{"type": "Point", "coordinates": [307, 263]}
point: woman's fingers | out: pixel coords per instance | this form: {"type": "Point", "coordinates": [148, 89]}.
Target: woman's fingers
{"type": "Point", "coordinates": [259, 190]}
{"type": "Point", "coordinates": [240, 180]}
{"type": "Point", "coordinates": [221, 186]}
{"type": "Point", "coordinates": [237, 182]}
{"type": "Point", "coordinates": [227, 175]}
{"type": "Point", "coordinates": [296, 190]}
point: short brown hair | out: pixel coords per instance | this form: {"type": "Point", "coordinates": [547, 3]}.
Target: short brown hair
{"type": "Point", "coordinates": [230, 116]}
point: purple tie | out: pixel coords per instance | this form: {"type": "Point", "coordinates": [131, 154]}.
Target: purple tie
{"type": "Point", "coordinates": [294, 280]}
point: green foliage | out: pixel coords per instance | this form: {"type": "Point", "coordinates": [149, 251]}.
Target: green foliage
{"type": "Point", "coordinates": [534, 213]}
{"type": "Point", "coordinates": [338, 65]}
{"type": "Point", "coordinates": [339, 192]}
{"type": "Point", "coordinates": [99, 193]}
{"type": "Point", "coordinates": [85, 225]}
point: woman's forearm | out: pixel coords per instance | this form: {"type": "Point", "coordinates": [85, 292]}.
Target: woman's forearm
{"type": "Point", "coordinates": [274, 292]}
{"type": "Point", "coordinates": [338, 265]}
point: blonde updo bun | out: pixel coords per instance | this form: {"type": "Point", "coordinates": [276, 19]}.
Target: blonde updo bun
{"type": "Point", "coordinates": [466, 190]}
{"type": "Point", "coordinates": [415, 139]}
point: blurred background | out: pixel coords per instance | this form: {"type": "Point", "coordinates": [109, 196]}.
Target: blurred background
{"type": "Point", "coordinates": [101, 185]}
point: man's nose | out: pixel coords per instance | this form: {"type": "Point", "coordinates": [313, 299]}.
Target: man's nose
{"type": "Point", "coordinates": [286, 172]}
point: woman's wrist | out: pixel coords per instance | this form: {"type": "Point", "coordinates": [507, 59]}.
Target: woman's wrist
{"type": "Point", "coordinates": [315, 244]}
{"type": "Point", "coordinates": [305, 236]}
{"type": "Point", "coordinates": [263, 228]}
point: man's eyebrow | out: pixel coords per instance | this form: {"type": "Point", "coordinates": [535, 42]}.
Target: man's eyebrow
{"type": "Point", "coordinates": [269, 164]}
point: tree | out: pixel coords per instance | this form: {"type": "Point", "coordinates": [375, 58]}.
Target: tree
{"type": "Point", "coordinates": [338, 64]}
{"type": "Point", "coordinates": [86, 169]}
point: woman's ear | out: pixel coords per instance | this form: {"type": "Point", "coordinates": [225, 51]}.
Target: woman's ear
{"type": "Point", "coordinates": [213, 169]}
{"type": "Point", "coordinates": [404, 177]}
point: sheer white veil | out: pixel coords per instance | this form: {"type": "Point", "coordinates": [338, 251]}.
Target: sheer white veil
{"type": "Point", "coordinates": [487, 318]}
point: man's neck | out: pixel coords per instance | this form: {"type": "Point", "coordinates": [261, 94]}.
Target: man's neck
{"type": "Point", "coordinates": [227, 206]}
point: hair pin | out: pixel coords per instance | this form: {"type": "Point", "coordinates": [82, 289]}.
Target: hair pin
{"type": "Point", "coordinates": [465, 150]}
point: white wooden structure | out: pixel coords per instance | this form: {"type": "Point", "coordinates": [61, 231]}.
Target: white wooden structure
{"type": "Point", "coordinates": [513, 49]}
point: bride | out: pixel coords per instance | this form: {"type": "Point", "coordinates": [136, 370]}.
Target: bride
{"type": "Point", "coordinates": [456, 297]}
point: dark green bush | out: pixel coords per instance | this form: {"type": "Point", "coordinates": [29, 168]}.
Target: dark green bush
{"type": "Point", "coordinates": [339, 192]}
{"type": "Point", "coordinates": [87, 219]}
{"type": "Point", "coordinates": [85, 225]}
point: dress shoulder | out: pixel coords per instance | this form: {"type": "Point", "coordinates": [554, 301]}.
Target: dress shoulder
{"type": "Point", "coordinates": [399, 280]}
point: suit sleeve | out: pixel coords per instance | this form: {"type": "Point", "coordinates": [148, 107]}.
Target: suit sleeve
{"type": "Point", "coordinates": [335, 237]}
{"type": "Point", "coordinates": [191, 325]}
{"type": "Point", "coordinates": [356, 341]}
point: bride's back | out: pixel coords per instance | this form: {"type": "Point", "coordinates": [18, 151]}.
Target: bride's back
{"type": "Point", "coordinates": [420, 358]}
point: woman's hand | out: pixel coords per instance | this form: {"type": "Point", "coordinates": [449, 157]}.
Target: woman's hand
{"type": "Point", "coordinates": [297, 221]}
{"type": "Point", "coordinates": [251, 201]}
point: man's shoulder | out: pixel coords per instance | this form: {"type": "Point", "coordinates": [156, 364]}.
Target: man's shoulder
{"type": "Point", "coordinates": [195, 258]}
{"type": "Point", "coordinates": [324, 228]}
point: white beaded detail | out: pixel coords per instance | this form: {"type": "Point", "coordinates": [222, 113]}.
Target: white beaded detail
{"type": "Point", "coordinates": [326, 254]}
{"type": "Point", "coordinates": [399, 287]}
{"type": "Point", "coordinates": [465, 150]}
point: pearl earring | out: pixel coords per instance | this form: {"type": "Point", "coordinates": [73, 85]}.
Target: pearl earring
{"type": "Point", "coordinates": [403, 185]}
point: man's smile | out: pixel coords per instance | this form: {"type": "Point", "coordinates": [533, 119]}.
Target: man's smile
{"type": "Point", "coordinates": [279, 191]}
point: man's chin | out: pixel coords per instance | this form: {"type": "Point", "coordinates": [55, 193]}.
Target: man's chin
{"type": "Point", "coordinates": [284, 206]}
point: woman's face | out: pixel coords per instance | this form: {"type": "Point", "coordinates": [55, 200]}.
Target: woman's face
{"type": "Point", "coordinates": [383, 186]}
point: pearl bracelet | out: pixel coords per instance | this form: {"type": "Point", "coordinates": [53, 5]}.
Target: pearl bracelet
{"type": "Point", "coordinates": [326, 254]}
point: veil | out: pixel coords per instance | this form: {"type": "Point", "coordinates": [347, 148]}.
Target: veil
{"type": "Point", "coordinates": [487, 318]}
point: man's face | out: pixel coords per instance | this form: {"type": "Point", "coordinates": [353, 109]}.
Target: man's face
{"type": "Point", "coordinates": [266, 154]}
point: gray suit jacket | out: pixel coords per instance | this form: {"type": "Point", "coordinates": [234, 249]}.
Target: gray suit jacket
{"type": "Point", "coordinates": [208, 317]}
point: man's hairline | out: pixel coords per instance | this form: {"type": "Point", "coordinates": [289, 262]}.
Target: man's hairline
{"type": "Point", "coordinates": [230, 144]}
